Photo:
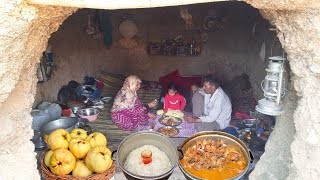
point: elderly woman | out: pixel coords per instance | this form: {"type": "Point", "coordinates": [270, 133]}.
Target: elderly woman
{"type": "Point", "coordinates": [127, 111]}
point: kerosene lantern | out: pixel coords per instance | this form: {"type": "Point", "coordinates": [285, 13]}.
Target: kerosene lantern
{"type": "Point", "coordinates": [273, 88]}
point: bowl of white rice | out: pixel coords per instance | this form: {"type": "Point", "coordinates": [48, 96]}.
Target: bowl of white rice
{"type": "Point", "coordinates": [164, 156]}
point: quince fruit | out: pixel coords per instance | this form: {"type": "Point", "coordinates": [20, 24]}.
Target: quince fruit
{"type": "Point", "coordinates": [62, 162]}
{"type": "Point", "coordinates": [78, 133]}
{"type": "Point", "coordinates": [81, 170]}
{"type": "Point", "coordinates": [97, 139]}
{"type": "Point", "coordinates": [47, 158]}
{"type": "Point", "coordinates": [59, 138]}
{"type": "Point", "coordinates": [79, 147]}
{"type": "Point", "coordinates": [99, 159]}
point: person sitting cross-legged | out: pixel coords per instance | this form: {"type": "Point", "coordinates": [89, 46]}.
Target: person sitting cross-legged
{"type": "Point", "coordinates": [217, 108]}
{"type": "Point", "coordinates": [127, 111]}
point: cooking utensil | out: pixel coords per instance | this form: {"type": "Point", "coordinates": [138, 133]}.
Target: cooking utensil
{"type": "Point", "coordinates": [106, 99]}
{"type": "Point", "coordinates": [39, 117]}
{"type": "Point", "coordinates": [89, 113]}
{"type": "Point", "coordinates": [250, 122]}
{"type": "Point", "coordinates": [67, 123]}
{"type": "Point", "coordinates": [75, 109]}
{"type": "Point", "coordinates": [142, 138]}
{"type": "Point", "coordinates": [228, 139]}
{"type": "Point", "coordinates": [38, 141]}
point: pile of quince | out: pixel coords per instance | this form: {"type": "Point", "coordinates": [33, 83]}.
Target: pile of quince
{"type": "Point", "coordinates": [77, 152]}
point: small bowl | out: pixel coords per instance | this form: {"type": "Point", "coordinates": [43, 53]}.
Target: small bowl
{"type": "Point", "coordinates": [250, 122]}
{"type": "Point", "coordinates": [99, 107]}
{"type": "Point", "coordinates": [75, 109]}
{"type": "Point", "coordinates": [66, 112]}
{"type": "Point", "coordinates": [89, 113]}
{"type": "Point", "coordinates": [106, 99]}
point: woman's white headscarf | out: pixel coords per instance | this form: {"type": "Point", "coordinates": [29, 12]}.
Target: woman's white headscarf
{"type": "Point", "coordinates": [127, 95]}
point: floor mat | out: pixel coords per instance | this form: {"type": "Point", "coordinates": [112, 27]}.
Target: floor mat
{"type": "Point", "coordinates": [105, 125]}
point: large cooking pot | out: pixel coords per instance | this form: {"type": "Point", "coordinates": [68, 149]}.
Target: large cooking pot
{"type": "Point", "coordinates": [142, 138]}
{"type": "Point", "coordinates": [67, 123]}
{"type": "Point", "coordinates": [228, 139]}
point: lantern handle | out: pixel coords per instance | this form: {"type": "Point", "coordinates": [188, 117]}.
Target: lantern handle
{"type": "Point", "coordinates": [262, 86]}
{"type": "Point", "coordinates": [284, 90]}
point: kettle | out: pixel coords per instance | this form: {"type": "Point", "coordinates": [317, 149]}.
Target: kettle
{"type": "Point", "coordinates": [38, 141]}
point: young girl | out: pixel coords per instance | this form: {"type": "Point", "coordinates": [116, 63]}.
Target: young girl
{"type": "Point", "coordinates": [173, 100]}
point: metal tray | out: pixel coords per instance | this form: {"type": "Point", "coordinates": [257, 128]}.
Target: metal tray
{"type": "Point", "coordinates": [162, 121]}
{"type": "Point", "coordinates": [166, 129]}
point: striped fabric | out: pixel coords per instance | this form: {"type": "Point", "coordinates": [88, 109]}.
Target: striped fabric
{"type": "Point", "coordinates": [129, 119]}
{"type": "Point", "coordinates": [104, 123]}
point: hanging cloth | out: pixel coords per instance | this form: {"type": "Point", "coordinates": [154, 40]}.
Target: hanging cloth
{"type": "Point", "coordinates": [262, 53]}
{"type": "Point", "coordinates": [106, 27]}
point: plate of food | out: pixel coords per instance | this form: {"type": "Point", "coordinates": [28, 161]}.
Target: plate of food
{"type": "Point", "coordinates": [168, 131]}
{"type": "Point", "coordinates": [170, 121]}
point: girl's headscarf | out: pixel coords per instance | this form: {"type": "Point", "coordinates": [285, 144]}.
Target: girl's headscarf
{"type": "Point", "coordinates": [127, 95]}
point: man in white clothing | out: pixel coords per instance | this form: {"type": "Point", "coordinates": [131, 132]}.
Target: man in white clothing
{"type": "Point", "coordinates": [217, 108]}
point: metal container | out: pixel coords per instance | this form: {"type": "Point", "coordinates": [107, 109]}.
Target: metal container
{"type": "Point", "coordinates": [228, 139]}
{"type": "Point", "coordinates": [53, 109]}
{"type": "Point", "coordinates": [38, 141]}
{"type": "Point", "coordinates": [67, 123]}
{"type": "Point", "coordinates": [250, 122]}
{"type": "Point", "coordinates": [138, 139]}
{"type": "Point", "coordinates": [75, 109]}
{"type": "Point", "coordinates": [89, 113]}
{"type": "Point", "coordinates": [39, 118]}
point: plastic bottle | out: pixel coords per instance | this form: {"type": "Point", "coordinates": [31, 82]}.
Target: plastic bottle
{"type": "Point", "coordinates": [191, 49]}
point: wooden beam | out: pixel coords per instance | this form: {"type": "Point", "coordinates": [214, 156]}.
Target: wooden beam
{"type": "Point", "coordinates": [117, 4]}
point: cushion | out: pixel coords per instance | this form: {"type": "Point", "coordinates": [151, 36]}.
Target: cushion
{"type": "Point", "coordinates": [171, 77]}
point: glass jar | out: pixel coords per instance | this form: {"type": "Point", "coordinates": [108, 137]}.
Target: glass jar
{"type": "Point", "coordinates": [248, 134]}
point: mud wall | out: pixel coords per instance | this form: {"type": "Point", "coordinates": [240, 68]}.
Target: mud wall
{"type": "Point", "coordinates": [24, 32]}
{"type": "Point", "coordinates": [230, 51]}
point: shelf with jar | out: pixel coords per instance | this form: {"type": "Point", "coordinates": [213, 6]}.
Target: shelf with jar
{"type": "Point", "coordinates": [174, 47]}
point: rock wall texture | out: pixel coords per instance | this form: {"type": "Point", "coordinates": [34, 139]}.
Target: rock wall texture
{"type": "Point", "coordinates": [299, 33]}
{"type": "Point", "coordinates": [229, 52]}
{"type": "Point", "coordinates": [24, 32]}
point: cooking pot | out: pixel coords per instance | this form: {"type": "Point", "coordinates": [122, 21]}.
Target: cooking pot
{"type": "Point", "coordinates": [67, 123]}
{"type": "Point", "coordinates": [138, 139]}
{"type": "Point", "coordinates": [39, 117]}
{"type": "Point", "coordinates": [53, 109]}
{"type": "Point", "coordinates": [228, 139]}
